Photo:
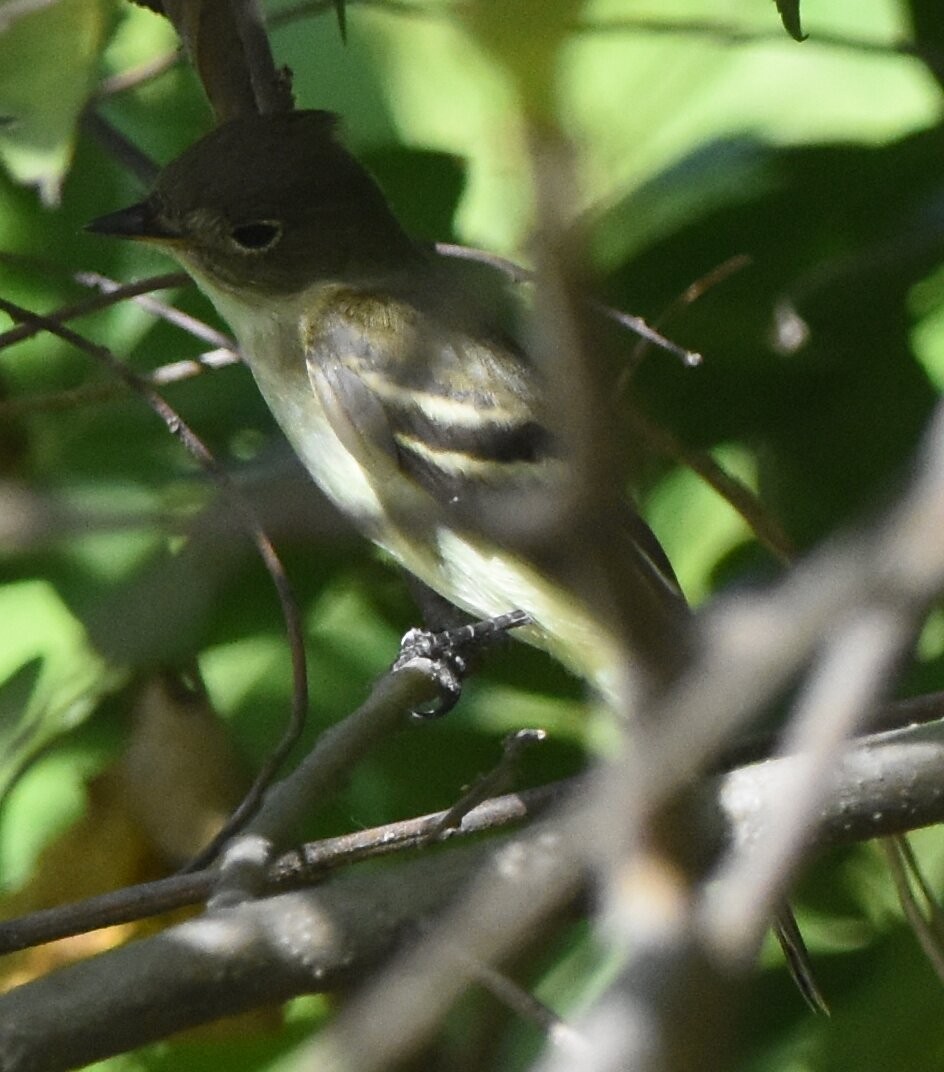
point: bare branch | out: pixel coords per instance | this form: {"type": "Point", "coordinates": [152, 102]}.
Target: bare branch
{"type": "Point", "coordinates": [124, 151]}
{"type": "Point", "coordinates": [304, 866]}
{"type": "Point", "coordinates": [886, 784]}
{"type": "Point", "coordinates": [234, 959]}
{"type": "Point", "coordinates": [339, 748]}
{"type": "Point", "coordinates": [494, 781]}
{"type": "Point", "coordinates": [856, 669]}
{"type": "Point", "coordinates": [519, 274]}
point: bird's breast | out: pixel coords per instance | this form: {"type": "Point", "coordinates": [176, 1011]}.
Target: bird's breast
{"type": "Point", "coordinates": [269, 339]}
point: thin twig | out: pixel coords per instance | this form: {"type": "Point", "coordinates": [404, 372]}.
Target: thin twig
{"type": "Point", "coordinates": [690, 294]}
{"type": "Point", "coordinates": [935, 914]}
{"type": "Point", "coordinates": [494, 781]}
{"type": "Point", "coordinates": [522, 1003]}
{"type": "Point", "coordinates": [135, 77]}
{"type": "Point", "coordinates": [299, 867]}
{"type": "Point", "coordinates": [734, 492]}
{"type": "Point", "coordinates": [199, 329]}
{"type": "Point", "coordinates": [175, 372]}
{"type": "Point", "coordinates": [112, 293]}
{"type": "Point", "coordinates": [133, 159]}
{"type": "Point", "coordinates": [517, 273]}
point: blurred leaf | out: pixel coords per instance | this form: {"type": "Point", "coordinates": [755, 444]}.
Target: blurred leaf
{"type": "Point", "coordinates": [835, 418]}
{"type": "Point", "coordinates": [15, 694]}
{"type": "Point", "coordinates": [790, 15]}
{"type": "Point", "coordinates": [340, 10]}
{"type": "Point", "coordinates": [684, 504]}
{"type": "Point", "coordinates": [43, 92]}
{"type": "Point", "coordinates": [42, 804]}
{"type": "Point", "coordinates": [180, 775]}
{"type": "Point", "coordinates": [422, 187]}
{"type": "Point", "coordinates": [928, 31]}
{"type": "Point", "coordinates": [823, 360]}
{"type": "Point", "coordinates": [56, 690]}
{"type": "Point", "coordinates": [458, 99]}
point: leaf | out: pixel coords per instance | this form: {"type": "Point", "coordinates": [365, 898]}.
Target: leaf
{"type": "Point", "coordinates": [790, 16]}
{"type": "Point", "coordinates": [48, 64]}
{"type": "Point", "coordinates": [54, 683]}
{"type": "Point", "coordinates": [15, 694]}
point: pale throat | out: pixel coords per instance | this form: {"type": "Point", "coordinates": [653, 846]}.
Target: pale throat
{"type": "Point", "coordinates": [268, 329]}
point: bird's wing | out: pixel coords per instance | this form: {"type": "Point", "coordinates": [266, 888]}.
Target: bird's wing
{"type": "Point", "coordinates": [446, 424]}
{"type": "Point", "coordinates": [411, 398]}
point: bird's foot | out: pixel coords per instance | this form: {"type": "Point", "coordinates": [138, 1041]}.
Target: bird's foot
{"type": "Point", "coordinates": [452, 653]}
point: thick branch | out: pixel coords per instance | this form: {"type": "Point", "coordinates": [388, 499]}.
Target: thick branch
{"type": "Point", "coordinates": [264, 951]}
{"type": "Point", "coordinates": [887, 784]}
{"type": "Point", "coordinates": [223, 963]}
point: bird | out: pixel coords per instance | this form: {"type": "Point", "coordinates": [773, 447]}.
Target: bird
{"type": "Point", "coordinates": [395, 376]}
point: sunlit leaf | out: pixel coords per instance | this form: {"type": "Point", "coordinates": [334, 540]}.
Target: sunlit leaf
{"type": "Point", "coordinates": [42, 91]}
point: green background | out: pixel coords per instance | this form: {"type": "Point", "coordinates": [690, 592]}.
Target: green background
{"type": "Point", "coordinates": [704, 133]}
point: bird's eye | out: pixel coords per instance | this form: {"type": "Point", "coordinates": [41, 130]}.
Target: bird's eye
{"type": "Point", "coordinates": [256, 237]}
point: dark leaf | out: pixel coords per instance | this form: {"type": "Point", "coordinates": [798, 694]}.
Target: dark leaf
{"type": "Point", "coordinates": [790, 16]}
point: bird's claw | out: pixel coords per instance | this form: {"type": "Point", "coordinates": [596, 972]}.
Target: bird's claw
{"type": "Point", "coordinates": [449, 655]}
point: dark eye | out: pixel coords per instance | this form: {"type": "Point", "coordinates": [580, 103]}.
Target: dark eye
{"type": "Point", "coordinates": [256, 237]}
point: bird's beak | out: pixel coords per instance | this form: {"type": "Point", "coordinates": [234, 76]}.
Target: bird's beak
{"type": "Point", "coordinates": [139, 222]}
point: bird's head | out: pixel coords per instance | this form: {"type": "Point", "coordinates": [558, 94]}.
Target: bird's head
{"type": "Point", "coordinates": [272, 203]}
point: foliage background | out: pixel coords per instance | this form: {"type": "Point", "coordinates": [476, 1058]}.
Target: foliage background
{"type": "Point", "coordinates": [705, 133]}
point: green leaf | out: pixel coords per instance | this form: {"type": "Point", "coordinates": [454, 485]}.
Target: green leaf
{"type": "Point", "coordinates": [48, 64]}
{"type": "Point", "coordinates": [15, 693]}
{"type": "Point", "coordinates": [55, 680]}
{"type": "Point", "coordinates": [790, 16]}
